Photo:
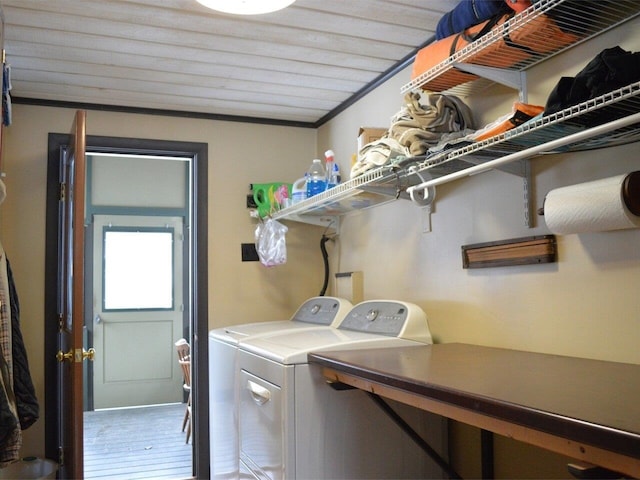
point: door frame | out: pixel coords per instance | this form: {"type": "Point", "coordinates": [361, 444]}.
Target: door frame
{"type": "Point", "coordinates": [199, 278]}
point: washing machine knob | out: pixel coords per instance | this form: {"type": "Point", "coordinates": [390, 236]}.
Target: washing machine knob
{"type": "Point", "coordinates": [315, 309]}
{"type": "Point", "coordinates": [372, 315]}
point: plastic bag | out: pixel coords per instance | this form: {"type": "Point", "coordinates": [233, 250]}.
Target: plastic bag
{"type": "Point", "coordinates": [270, 242]}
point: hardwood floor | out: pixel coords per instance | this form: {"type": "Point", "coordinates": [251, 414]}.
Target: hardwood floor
{"type": "Point", "coordinates": [136, 443]}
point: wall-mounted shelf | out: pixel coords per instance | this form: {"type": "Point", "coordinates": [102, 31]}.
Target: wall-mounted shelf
{"type": "Point", "coordinates": [608, 120]}
{"type": "Point", "coordinates": [373, 188]}
{"type": "Point", "coordinates": [605, 121]}
{"type": "Point", "coordinates": [486, 63]}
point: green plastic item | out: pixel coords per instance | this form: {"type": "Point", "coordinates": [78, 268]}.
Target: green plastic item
{"type": "Point", "coordinates": [271, 197]}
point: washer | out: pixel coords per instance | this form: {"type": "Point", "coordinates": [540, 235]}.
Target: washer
{"type": "Point", "coordinates": [315, 313]}
{"type": "Point", "coordinates": [293, 426]}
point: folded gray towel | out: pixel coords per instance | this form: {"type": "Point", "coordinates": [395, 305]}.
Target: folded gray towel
{"type": "Point", "coordinates": [418, 126]}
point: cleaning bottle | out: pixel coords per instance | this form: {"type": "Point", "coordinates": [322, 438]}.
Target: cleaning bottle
{"type": "Point", "coordinates": [329, 157]}
{"type": "Point", "coordinates": [299, 190]}
{"type": "Point", "coordinates": [317, 179]}
{"type": "Point", "coordinates": [334, 178]}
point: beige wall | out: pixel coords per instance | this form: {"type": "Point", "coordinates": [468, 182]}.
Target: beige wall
{"type": "Point", "coordinates": [239, 154]}
{"type": "Point", "coordinates": [585, 305]}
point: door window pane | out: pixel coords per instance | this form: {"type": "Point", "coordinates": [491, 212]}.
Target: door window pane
{"type": "Point", "coordinates": [138, 269]}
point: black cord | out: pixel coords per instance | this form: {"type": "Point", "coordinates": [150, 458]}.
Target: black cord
{"type": "Point", "coordinates": [325, 258]}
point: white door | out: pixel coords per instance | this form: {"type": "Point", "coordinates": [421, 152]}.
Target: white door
{"type": "Point", "coordinates": [137, 310]}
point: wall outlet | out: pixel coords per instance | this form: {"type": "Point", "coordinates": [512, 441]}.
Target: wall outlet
{"type": "Point", "coordinates": [249, 252]}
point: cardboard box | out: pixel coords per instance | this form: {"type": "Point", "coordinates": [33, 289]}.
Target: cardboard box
{"type": "Point", "coordinates": [369, 134]}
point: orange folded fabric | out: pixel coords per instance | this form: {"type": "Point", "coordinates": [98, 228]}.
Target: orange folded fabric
{"type": "Point", "coordinates": [515, 44]}
{"type": "Point", "coordinates": [522, 112]}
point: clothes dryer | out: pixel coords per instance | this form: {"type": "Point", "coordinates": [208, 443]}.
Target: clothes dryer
{"type": "Point", "coordinates": [294, 426]}
{"type": "Point", "coordinates": [315, 313]}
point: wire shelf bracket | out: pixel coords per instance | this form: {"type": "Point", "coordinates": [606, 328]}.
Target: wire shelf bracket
{"type": "Point", "coordinates": [516, 79]}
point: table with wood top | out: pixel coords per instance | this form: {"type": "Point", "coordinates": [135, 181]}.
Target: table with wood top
{"type": "Point", "coordinates": [585, 409]}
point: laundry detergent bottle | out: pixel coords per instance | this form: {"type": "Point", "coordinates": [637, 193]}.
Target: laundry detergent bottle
{"type": "Point", "coordinates": [299, 190]}
{"type": "Point", "coordinates": [316, 179]}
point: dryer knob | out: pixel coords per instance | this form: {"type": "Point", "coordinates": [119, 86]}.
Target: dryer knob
{"type": "Point", "coordinates": [372, 315]}
{"type": "Point", "coordinates": [315, 309]}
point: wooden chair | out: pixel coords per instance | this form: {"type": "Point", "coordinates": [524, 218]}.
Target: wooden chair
{"type": "Point", "coordinates": [184, 359]}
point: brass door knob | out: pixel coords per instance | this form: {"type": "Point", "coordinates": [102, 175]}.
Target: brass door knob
{"type": "Point", "coordinates": [62, 356]}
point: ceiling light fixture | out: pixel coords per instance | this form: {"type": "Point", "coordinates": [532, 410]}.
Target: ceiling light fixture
{"type": "Point", "coordinates": [246, 7]}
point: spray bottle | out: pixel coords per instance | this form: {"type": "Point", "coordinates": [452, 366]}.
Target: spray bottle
{"type": "Point", "coordinates": [331, 167]}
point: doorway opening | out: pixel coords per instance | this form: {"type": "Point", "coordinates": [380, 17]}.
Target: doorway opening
{"type": "Point", "coordinates": [145, 228]}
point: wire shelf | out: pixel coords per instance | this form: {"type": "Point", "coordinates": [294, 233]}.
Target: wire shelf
{"type": "Point", "coordinates": [395, 180]}
{"type": "Point", "coordinates": [345, 197]}
{"type": "Point", "coordinates": [577, 21]}
{"type": "Point", "coordinates": [402, 177]}
{"type": "Point", "coordinates": [608, 120]}
{"type": "Point", "coordinates": [597, 111]}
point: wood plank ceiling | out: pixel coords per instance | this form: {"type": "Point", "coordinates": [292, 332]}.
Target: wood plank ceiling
{"type": "Point", "coordinates": [300, 65]}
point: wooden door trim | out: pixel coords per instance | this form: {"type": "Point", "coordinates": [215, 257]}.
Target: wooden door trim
{"type": "Point", "coordinates": [76, 463]}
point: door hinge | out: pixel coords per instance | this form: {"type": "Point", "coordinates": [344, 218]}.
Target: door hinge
{"type": "Point", "coordinates": [60, 322]}
{"type": "Point", "coordinates": [61, 456]}
{"type": "Point", "coordinates": [63, 192]}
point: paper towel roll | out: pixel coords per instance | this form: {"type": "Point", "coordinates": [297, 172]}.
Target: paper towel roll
{"type": "Point", "coordinates": [602, 205]}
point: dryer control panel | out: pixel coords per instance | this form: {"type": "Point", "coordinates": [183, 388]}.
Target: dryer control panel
{"type": "Point", "coordinates": [389, 317]}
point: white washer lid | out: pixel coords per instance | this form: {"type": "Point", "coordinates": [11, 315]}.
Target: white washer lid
{"type": "Point", "coordinates": [234, 333]}
{"type": "Point", "coordinates": [316, 312]}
